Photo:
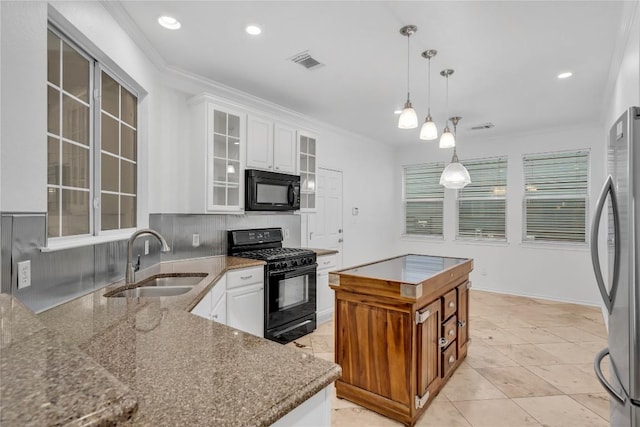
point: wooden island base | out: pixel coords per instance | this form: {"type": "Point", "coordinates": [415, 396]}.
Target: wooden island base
{"type": "Point", "coordinates": [401, 330]}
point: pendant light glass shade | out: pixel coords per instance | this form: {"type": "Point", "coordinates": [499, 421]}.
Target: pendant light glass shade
{"type": "Point", "coordinates": [455, 176]}
{"type": "Point", "coordinates": [408, 118]}
{"type": "Point", "coordinates": [428, 131]}
{"type": "Point", "coordinates": [447, 140]}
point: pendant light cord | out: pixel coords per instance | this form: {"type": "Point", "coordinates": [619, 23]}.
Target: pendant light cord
{"type": "Point", "coordinates": [429, 89]}
{"type": "Point", "coordinates": [408, 49]}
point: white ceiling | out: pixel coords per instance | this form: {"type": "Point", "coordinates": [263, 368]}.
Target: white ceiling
{"type": "Point", "coordinates": [506, 56]}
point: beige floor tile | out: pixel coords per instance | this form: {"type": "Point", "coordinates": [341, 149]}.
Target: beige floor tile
{"type": "Point", "coordinates": [571, 353]}
{"type": "Point", "coordinates": [496, 336]}
{"type": "Point", "coordinates": [597, 402]}
{"type": "Point", "coordinates": [528, 354]}
{"type": "Point", "coordinates": [518, 382]}
{"type": "Point", "coordinates": [568, 378]}
{"type": "Point", "coordinates": [325, 329]}
{"type": "Point", "coordinates": [505, 320]}
{"type": "Point", "coordinates": [536, 335]}
{"type": "Point", "coordinates": [440, 414]}
{"type": "Point", "coordinates": [495, 413]}
{"type": "Point", "coordinates": [467, 384]}
{"type": "Point", "coordinates": [481, 323]}
{"type": "Point", "coordinates": [481, 355]}
{"type": "Point", "coordinates": [571, 334]}
{"type": "Point", "coordinates": [337, 403]}
{"type": "Point", "coordinates": [322, 343]}
{"type": "Point", "coordinates": [560, 411]}
{"type": "Point", "coordinates": [326, 356]}
{"type": "Point", "coordinates": [352, 417]}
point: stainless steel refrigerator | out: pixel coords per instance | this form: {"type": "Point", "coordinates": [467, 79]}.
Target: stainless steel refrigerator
{"type": "Point", "coordinates": [619, 289]}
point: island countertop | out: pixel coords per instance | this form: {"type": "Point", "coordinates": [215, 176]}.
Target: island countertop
{"type": "Point", "coordinates": [181, 369]}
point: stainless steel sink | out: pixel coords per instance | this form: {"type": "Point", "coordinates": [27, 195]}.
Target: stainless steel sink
{"type": "Point", "coordinates": [161, 285]}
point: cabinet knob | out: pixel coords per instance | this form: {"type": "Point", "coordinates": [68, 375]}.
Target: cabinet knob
{"type": "Point", "coordinates": [277, 167]}
{"type": "Point", "coordinates": [461, 323]}
{"type": "Point", "coordinates": [443, 342]}
{"type": "Point", "coordinates": [452, 359]}
{"type": "Point", "coordinates": [452, 304]}
{"type": "Point", "coordinates": [269, 166]}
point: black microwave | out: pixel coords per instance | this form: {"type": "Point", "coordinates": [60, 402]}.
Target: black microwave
{"type": "Point", "coordinates": [271, 191]}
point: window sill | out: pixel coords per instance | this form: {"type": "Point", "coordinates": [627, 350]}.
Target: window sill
{"type": "Point", "coordinates": [488, 242]}
{"type": "Point", "coordinates": [418, 238]}
{"type": "Point", "coordinates": [63, 244]}
{"type": "Point", "coordinates": [560, 246]}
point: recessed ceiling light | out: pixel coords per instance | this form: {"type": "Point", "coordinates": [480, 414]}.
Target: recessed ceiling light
{"type": "Point", "coordinates": [169, 22]}
{"type": "Point", "coordinates": [565, 75]}
{"type": "Point", "coordinates": [397, 112]}
{"type": "Point", "coordinates": [254, 30]}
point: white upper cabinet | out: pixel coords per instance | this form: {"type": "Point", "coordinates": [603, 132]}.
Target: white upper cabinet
{"type": "Point", "coordinates": [284, 149]}
{"type": "Point", "coordinates": [271, 146]}
{"type": "Point", "coordinates": [308, 171]}
{"type": "Point", "coordinates": [260, 143]}
{"type": "Point", "coordinates": [222, 131]}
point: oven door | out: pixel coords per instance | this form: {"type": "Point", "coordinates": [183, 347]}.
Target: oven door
{"type": "Point", "coordinates": [291, 295]}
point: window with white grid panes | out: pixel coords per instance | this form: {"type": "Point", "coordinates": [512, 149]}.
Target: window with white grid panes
{"type": "Point", "coordinates": [556, 196]}
{"type": "Point", "coordinates": [307, 172]}
{"type": "Point", "coordinates": [226, 159]}
{"type": "Point", "coordinates": [118, 157]}
{"type": "Point", "coordinates": [423, 198]}
{"type": "Point", "coordinates": [482, 205]}
{"type": "Point", "coordinates": [89, 155]}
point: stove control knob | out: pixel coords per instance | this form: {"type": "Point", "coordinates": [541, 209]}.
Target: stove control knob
{"type": "Point", "coordinates": [303, 261]}
{"type": "Point", "coordinates": [294, 263]}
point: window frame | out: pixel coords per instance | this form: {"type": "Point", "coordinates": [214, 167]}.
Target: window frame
{"type": "Point", "coordinates": [504, 239]}
{"type": "Point", "coordinates": [95, 235]}
{"type": "Point", "coordinates": [438, 166]}
{"type": "Point", "coordinates": [586, 198]}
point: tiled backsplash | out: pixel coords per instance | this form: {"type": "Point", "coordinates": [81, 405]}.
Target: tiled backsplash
{"type": "Point", "coordinates": [62, 275]}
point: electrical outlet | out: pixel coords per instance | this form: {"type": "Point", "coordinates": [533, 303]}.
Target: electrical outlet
{"type": "Point", "coordinates": [24, 274]}
{"type": "Point", "coordinates": [196, 240]}
{"type": "Point", "coordinates": [286, 233]}
{"type": "Point", "coordinates": [146, 247]}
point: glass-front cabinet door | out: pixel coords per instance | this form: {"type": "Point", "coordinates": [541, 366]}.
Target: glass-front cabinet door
{"type": "Point", "coordinates": [307, 172]}
{"type": "Point", "coordinates": [225, 149]}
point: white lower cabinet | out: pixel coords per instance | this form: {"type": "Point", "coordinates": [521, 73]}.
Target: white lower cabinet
{"type": "Point", "coordinates": [313, 412]}
{"type": "Point", "coordinates": [325, 300]}
{"type": "Point", "coordinates": [237, 300]}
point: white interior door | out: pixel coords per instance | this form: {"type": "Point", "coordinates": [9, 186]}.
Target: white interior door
{"type": "Point", "coordinates": [324, 229]}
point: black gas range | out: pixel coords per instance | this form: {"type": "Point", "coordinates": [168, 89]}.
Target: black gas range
{"type": "Point", "coordinates": [290, 281]}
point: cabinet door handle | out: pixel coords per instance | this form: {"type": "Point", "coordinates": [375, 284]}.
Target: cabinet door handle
{"type": "Point", "coordinates": [327, 262]}
{"type": "Point", "coordinates": [451, 332]}
{"type": "Point", "coordinates": [269, 166]}
{"type": "Point", "coordinates": [215, 316]}
{"type": "Point", "coordinates": [452, 304]}
{"type": "Point", "coordinates": [277, 167]}
{"type": "Point", "coordinates": [443, 342]}
{"type": "Point", "coordinates": [461, 323]}
{"type": "Point", "coordinates": [246, 277]}
{"type": "Point", "coordinates": [452, 359]}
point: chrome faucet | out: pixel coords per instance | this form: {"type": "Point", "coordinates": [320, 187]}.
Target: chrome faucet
{"type": "Point", "coordinates": [131, 273]}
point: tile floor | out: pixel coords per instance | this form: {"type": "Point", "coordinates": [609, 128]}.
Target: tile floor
{"type": "Point", "coordinates": [529, 364]}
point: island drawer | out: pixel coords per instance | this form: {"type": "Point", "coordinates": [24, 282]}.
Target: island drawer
{"type": "Point", "coordinates": [449, 357]}
{"type": "Point", "coordinates": [450, 329]}
{"type": "Point", "coordinates": [449, 305]}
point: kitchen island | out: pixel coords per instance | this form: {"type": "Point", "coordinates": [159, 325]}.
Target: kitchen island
{"type": "Point", "coordinates": [149, 361]}
{"type": "Point", "coordinates": [401, 330]}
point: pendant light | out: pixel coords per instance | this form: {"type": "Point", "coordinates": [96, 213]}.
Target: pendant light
{"type": "Point", "coordinates": [408, 118]}
{"type": "Point", "coordinates": [429, 131]}
{"type": "Point", "coordinates": [447, 140]}
{"type": "Point", "coordinates": [455, 175]}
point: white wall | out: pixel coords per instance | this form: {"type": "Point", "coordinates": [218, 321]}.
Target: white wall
{"type": "Point", "coordinates": [561, 272]}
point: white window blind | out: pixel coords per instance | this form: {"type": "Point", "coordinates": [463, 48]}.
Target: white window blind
{"type": "Point", "coordinates": [423, 199]}
{"type": "Point", "coordinates": [556, 191]}
{"type": "Point", "coordinates": [482, 205]}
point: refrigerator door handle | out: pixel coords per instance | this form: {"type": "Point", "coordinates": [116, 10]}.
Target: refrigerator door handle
{"type": "Point", "coordinates": [622, 399]}
{"type": "Point", "coordinates": [610, 296]}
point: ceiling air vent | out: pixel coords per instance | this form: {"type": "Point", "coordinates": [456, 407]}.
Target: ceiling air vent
{"type": "Point", "coordinates": [306, 60]}
{"type": "Point", "coordinates": [482, 126]}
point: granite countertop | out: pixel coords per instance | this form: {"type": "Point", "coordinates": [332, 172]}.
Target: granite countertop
{"type": "Point", "coordinates": [321, 252]}
{"type": "Point", "coordinates": [180, 368]}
